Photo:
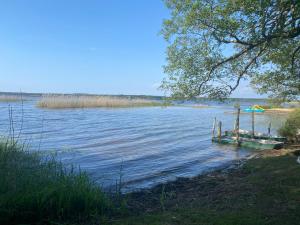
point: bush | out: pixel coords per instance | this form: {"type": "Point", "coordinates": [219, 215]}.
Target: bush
{"type": "Point", "coordinates": [291, 128]}
{"type": "Point", "coordinates": [35, 190]}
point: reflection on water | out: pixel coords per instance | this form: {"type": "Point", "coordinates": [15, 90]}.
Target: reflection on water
{"type": "Point", "coordinates": [153, 144]}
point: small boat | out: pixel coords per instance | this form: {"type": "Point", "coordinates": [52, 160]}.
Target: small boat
{"type": "Point", "coordinates": [255, 108]}
{"type": "Point", "coordinates": [257, 135]}
{"type": "Point", "coordinates": [249, 142]}
{"type": "Point", "coordinates": [245, 138]}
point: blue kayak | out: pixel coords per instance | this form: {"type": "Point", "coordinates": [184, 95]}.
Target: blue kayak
{"type": "Point", "coordinates": [253, 110]}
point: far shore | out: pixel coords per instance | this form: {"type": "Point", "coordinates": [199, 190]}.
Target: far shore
{"type": "Point", "coordinates": [275, 111]}
{"type": "Point", "coordinates": [11, 98]}
{"type": "Point", "coordinates": [280, 110]}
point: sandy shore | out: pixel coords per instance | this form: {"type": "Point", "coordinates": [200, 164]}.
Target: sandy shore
{"type": "Point", "coordinates": [274, 111]}
{"type": "Point", "coordinates": [280, 110]}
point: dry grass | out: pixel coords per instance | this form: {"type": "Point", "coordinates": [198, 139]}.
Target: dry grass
{"type": "Point", "coordinates": [10, 98]}
{"type": "Point", "coordinates": [72, 101]}
{"type": "Point", "coordinates": [282, 110]}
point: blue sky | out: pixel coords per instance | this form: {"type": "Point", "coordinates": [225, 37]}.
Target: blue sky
{"type": "Point", "coordinates": [92, 46]}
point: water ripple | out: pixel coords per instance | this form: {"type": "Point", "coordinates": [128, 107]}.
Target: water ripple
{"type": "Point", "coordinates": [151, 145]}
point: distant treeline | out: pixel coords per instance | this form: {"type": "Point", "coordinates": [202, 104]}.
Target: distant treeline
{"type": "Point", "coordinates": [150, 97]}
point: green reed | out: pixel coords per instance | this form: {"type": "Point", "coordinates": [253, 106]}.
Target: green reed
{"type": "Point", "coordinates": [38, 190]}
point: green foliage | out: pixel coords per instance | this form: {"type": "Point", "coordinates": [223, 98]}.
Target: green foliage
{"type": "Point", "coordinates": [291, 128]}
{"type": "Point", "coordinates": [215, 44]}
{"type": "Point", "coordinates": [35, 190]}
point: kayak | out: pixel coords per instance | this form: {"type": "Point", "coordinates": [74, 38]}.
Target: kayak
{"type": "Point", "coordinates": [255, 108]}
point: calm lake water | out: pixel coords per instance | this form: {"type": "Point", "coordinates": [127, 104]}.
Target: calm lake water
{"type": "Point", "coordinates": [148, 145]}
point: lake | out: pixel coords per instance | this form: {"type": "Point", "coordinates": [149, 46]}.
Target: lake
{"type": "Point", "coordinates": [146, 145]}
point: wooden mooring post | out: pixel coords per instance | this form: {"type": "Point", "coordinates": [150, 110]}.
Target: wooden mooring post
{"type": "Point", "coordinates": [269, 129]}
{"type": "Point", "coordinates": [237, 126]}
{"type": "Point", "coordinates": [253, 132]}
{"type": "Point", "coordinates": [220, 131]}
{"type": "Point", "coordinates": [214, 127]}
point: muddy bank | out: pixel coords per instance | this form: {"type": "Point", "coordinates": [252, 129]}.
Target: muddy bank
{"type": "Point", "coordinates": [204, 190]}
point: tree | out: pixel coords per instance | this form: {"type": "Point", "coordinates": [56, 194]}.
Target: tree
{"type": "Point", "coordinates": [214, 44]}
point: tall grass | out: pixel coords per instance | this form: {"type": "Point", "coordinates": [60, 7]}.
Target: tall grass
{"type": "Point", "coordinates": [73, 101]}
{"type": "Point", "coordinates": [37, 190]}
{"type": "Point", "coordinates": [10, 98]}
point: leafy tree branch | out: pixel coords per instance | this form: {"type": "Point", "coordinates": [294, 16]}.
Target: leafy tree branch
{"type": "Point", "coordinates": [214, 44]}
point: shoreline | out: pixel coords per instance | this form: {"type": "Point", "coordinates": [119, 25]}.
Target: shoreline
{"type": "Point", "coordinates": [183, 191]}
{"type": "Point", "coordinates": [224, 167]}
{"type": "Point", "coordinates": [280, 110]}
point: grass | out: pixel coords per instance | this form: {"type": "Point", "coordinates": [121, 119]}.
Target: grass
{"type": "Point", "coordinates": [73, 101]}
{"type": "Point", "coordinates": [34, 190]}
{"type": "Point", "coordinates": [10, 98]}
{"type": "Point", "coordinates": [264, 191]}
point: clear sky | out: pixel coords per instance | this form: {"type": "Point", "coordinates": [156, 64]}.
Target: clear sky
{"type": "Point", "coordinates": [86, 46]}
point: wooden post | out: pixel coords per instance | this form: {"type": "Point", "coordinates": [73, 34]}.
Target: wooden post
{"type": "Point", "coordinates": [253, 132]}
{"type": "Point", "coordinates": [234, 125]}
{"type": "Point", "coordinates": [237, 131]}
{"type": "Point", "coordinates": [220, 131]}
{"type": "Point", "coordinates": [214, 127]}
{"type": "Point", "coordinates": [269, 129]}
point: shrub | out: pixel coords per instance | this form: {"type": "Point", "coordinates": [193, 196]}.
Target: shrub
{"type": "Point", "coordinates": [291, 128]}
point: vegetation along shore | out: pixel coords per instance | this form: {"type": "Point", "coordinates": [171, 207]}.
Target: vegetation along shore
{"type": "Point", "coordinates": [73, 101]}
{"type": "Point", "coordinates": [10, 98]}
{"type": "Point", "coordinates": [35, 189]}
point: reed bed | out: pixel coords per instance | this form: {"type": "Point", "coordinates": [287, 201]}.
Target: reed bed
{"type": "Point", "coordinates": [72, 101]}
{"type": "Point", "coordinates": [34, 190]}
{"type": "Point", "coordinates": [10, 98]}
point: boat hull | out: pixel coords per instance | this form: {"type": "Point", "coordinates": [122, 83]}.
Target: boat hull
{"type": "Point", "coordinates": [256, 136]}
{"type": "Point", "coordinates": [249, 143]}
